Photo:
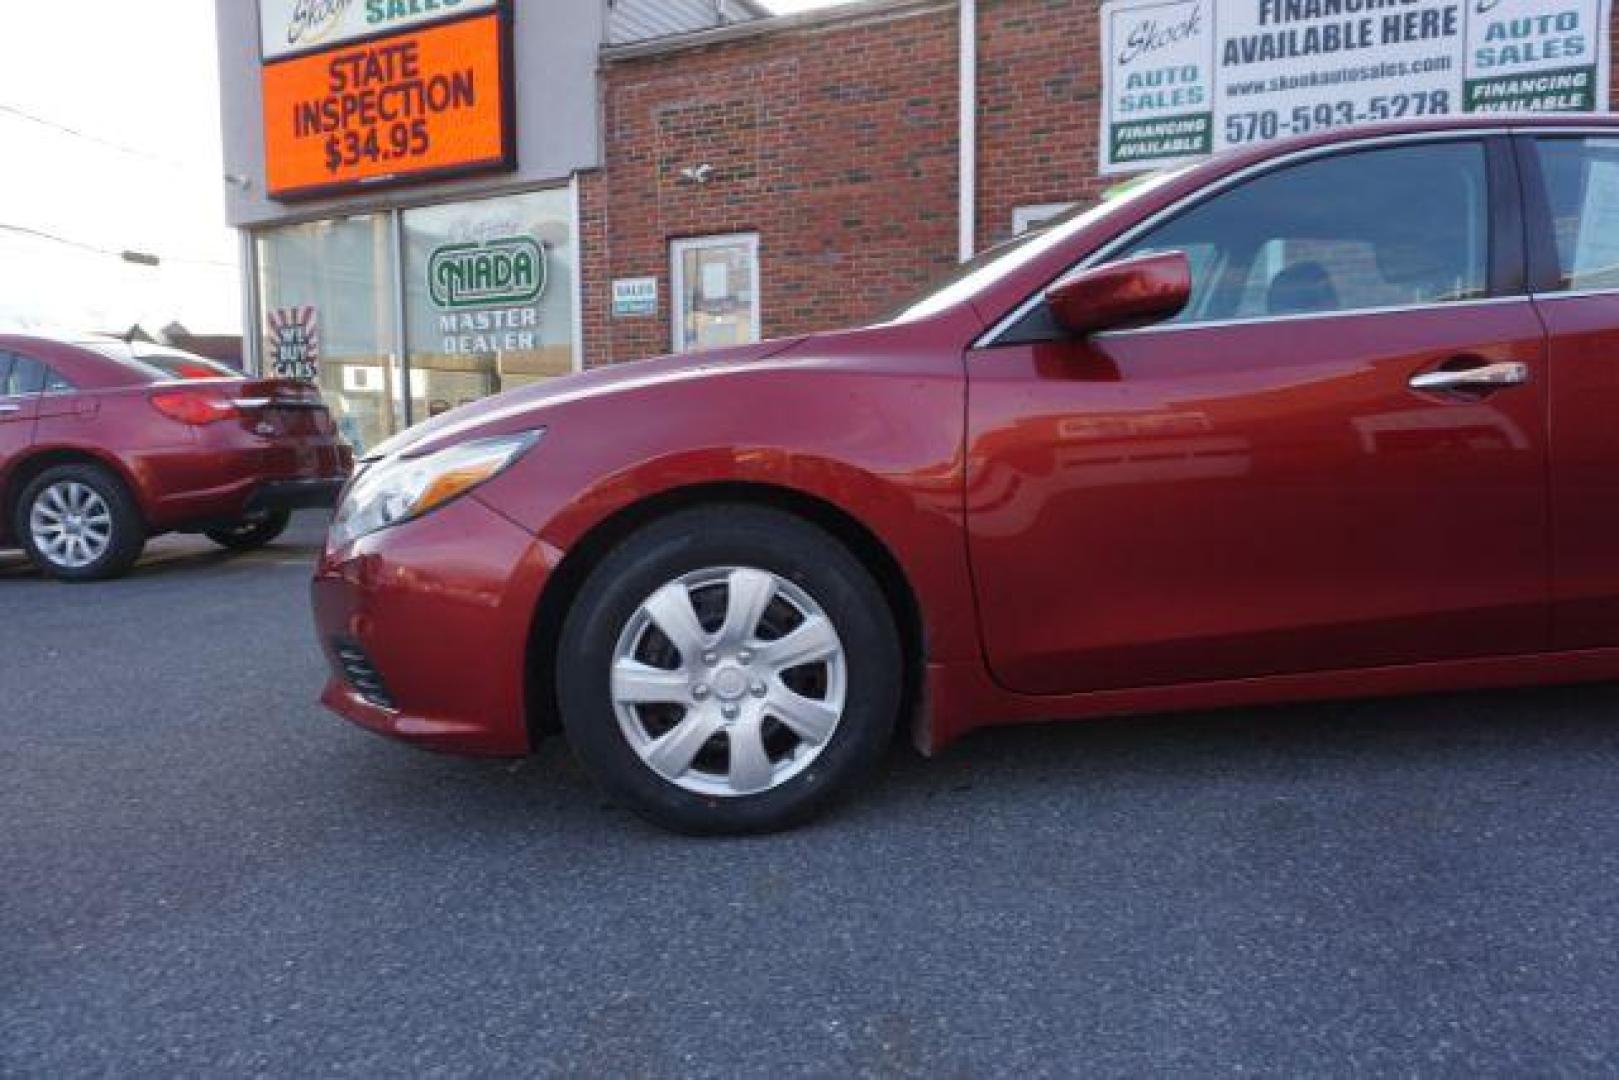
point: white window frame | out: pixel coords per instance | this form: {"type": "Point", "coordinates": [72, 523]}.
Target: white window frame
{"type": "Point", "coordinates": [677, 282]}
{"type": "Point", "coordinates": [1028, 217]}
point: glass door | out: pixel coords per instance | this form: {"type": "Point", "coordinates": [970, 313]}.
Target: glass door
{"type": "Point", "coordinates": [328, 303]}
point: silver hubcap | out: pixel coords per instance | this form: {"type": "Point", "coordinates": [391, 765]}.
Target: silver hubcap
{"type": "Point", "coordinates": [71, 524]}
{"type": "Point", "coordinates": [729, 681]}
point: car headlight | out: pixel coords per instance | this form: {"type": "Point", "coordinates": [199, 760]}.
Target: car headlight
{"type": "Point", "coordinates": [401, 489]}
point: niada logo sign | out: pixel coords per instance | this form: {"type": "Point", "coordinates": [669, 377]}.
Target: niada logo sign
{"type": "Point", "coordinates": [506, 272]}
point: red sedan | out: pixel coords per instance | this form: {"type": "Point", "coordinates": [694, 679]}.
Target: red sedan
{"type": "Point", "coordinates": [1331, 417]}
{"type": "Point", "coordinates": [104, 444]}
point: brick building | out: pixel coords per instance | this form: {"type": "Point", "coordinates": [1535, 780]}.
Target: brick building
{"type": "Point", "coordinates": [735, 176]}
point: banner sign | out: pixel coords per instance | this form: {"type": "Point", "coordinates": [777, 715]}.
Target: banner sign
{"type": "Point", "coordinates": [426, 102]}
{"type": "Point", "coordinates": [1186, 78]}
{"type": "Point", "coordinates": [290, 27]}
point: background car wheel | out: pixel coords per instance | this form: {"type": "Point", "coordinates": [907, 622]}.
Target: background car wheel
{"type": "Point", "coordinates": [254, 532]}
{"type": "Point", "coordinates": [729, 669]}
{"type": "Point", "coordinates": [79, 523]}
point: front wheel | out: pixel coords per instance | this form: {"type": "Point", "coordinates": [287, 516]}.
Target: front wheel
{"type": "Point", "coordinates": [252, 533]}
{"type": "Point", "coordinates": [729, 669]}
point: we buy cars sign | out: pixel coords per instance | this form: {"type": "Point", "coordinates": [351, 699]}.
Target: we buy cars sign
{"type": "Point", "coordinates": [432, 101]}
{"type": "Point", "coordinates": [1186, 78]}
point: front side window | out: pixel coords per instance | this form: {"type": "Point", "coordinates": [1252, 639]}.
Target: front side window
{"type": "Point", "coordinates": [1582, 184]}
{"type": "Point", "coordinates": [716, 291]}
{"type": "Point", "coordinates": [1370, 229]}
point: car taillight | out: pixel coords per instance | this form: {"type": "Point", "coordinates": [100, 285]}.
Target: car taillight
{"type": "Point", "coordinates": [194, 407]}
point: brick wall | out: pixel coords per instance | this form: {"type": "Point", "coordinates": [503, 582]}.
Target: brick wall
{"type": "Point", "coordinates": [1039, 107]}
{"type": "Point", "coordinates": [836, 144]}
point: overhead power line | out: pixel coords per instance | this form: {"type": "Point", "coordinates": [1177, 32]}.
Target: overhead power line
{"type": "Point", "coordinates": [139, 258]}
{"type": "Point", "coordinates": [122, 148]}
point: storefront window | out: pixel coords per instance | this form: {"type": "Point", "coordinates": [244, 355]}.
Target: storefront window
{"type": "Point", "coordinates": [327, 297]}
{"type": "Point", "coordinates": [716, 291]}
{"type": "Point", "coordinates": [489, 295]}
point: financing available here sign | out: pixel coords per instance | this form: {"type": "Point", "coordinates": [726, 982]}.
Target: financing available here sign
{"type": "Point", "coordinates": [1186, 78]}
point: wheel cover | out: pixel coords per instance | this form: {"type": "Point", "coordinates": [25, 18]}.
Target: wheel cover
{"type": "Point", "coordinates": [71, 524]}
{"type": "Point", "coordinates": [729, 681]}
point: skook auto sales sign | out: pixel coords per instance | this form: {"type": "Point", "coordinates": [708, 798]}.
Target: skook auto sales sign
{"type": "Point", "coordinates": [290, 27]}
{"type": "Point", "coordinates": [1185, 78]}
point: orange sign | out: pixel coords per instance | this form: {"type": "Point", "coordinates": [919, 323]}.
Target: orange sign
{"type": "Point", "coordinates": [431, 102]}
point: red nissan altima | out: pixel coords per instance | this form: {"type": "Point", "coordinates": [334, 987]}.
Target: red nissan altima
{"type": "Point", "coordinates": [1331, 417]}
{"type": "Point", "coordinates": [104, 444]}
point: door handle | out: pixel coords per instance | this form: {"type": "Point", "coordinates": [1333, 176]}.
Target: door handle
{"type": "Point", "coordinates": [1489, 377]}
{"type": "Point", "coordinates": [7, 407]}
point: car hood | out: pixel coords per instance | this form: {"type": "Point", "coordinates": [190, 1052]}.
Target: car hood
{"type": "Point", "coordinates": [513, 410]}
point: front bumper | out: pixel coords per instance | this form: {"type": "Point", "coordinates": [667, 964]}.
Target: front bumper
{"type": "Point", "coordinates": [426, 627]}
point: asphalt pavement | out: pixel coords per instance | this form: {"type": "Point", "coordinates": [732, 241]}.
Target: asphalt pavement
{"type": "Point", "coordinates": [202, 873]}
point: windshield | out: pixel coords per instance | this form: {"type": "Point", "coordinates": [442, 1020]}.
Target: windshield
{"type": "Point", "coordinates": [990, 266]}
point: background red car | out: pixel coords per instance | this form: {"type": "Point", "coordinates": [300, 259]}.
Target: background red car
{"type": "Point", "coordinates": [104, 444]}
{"type": "Point", "coordinates": [1334, 416]}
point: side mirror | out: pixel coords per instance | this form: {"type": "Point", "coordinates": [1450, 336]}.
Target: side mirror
{"type": "Point", "coordinates": [1121, 295]}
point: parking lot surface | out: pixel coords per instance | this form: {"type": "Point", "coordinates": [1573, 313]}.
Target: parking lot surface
{"type": "Point", "coordinates": [202, 873]}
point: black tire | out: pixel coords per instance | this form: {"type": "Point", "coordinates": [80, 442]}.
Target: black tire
{"type": "Point", "coordinates": [128, 531]}
{"type": "Point", "coordinates": [252, 533]}
{"type": "Point", "coordinates": [715, 537]}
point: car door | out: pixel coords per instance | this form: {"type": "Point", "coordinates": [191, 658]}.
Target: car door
{"type": "Point", "coordinates": [1334, 458]}
{"type": "Point", "coordinates": [20, 384]}
{"type": "Point", "coordinates": [1573, 186]}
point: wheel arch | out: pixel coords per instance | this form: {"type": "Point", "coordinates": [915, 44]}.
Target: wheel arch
{"type": "Point", "coordinates": [39, 459]}
{"type": "Point", "coordinates": [541, 707]}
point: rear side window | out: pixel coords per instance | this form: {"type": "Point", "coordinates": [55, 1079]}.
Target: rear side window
{"type": "Point", "coordinates": [1387, 228]}
{"type": "Point", "coordinates": [1582, 185]}
{"type": "Point", "coordinates": [22, 376]}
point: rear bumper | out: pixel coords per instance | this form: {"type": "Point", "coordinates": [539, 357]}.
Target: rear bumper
{"type": "Point", "coordinates": [426, 628]}
{"type": "Point", "coordinates": [319, 494]}
{"type": "Point", "coordinates": [189, 490]}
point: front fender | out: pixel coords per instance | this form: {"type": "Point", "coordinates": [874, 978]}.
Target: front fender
{"type": "Point", "coordinates": [884, 449]}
